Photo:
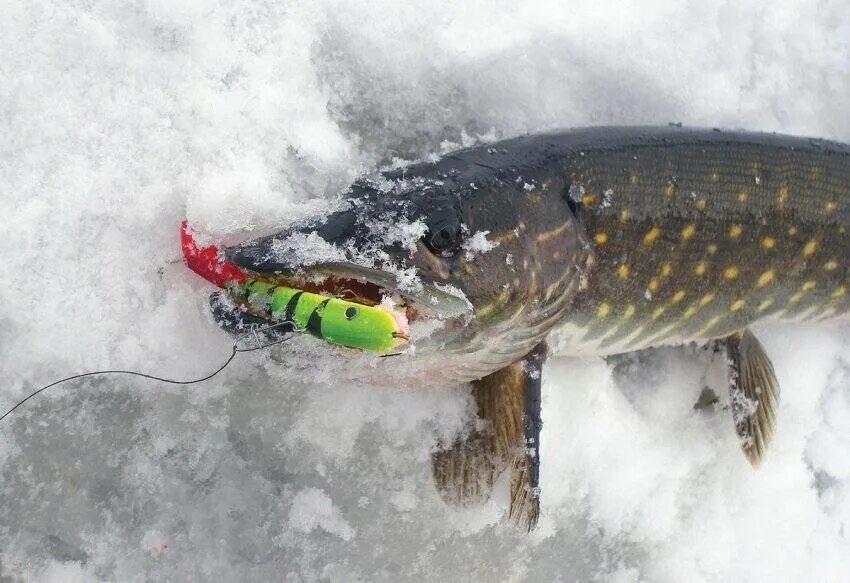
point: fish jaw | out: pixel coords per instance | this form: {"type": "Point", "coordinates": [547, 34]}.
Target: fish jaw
{"type": "Point", "coordinates": [253, 301]}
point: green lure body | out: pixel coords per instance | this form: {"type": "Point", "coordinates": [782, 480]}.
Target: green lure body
{"type": "Point", "coordinates": [332, 319]}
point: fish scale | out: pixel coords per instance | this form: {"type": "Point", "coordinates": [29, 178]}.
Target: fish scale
{"type": "Point", "coordinates": [743, 231]}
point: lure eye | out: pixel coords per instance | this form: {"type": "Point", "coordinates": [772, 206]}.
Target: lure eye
{"type": "Point", "coordinates": [350, 313]}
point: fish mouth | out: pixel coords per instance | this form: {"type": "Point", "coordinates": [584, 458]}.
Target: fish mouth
{"type": "Point", "coordinates": [398, 293]}
{"type": "Point", "coordinates": [411, 302]}
{"type": "Point", "coordinates": [370, 286]}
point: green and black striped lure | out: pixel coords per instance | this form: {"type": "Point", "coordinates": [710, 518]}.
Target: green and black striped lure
{"type": "Point", "coordinates": [377, 328]}
{"type": "Point", "coordinates": [332, 319]}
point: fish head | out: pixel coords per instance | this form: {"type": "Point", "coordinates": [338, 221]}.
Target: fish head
{"type": "Point", "coordinates": [479, 270]}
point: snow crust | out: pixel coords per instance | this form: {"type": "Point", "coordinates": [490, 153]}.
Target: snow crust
{"type": "Point", "coordinates": [120, 118]}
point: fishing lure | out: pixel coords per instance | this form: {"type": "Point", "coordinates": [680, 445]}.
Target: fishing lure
{"type": "Point", "coordinates": [332, 319]}
{"type": "Point", "coordinates": [335, 320]}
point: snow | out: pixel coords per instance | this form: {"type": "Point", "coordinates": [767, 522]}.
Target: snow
{"type": "Point", "coordinates": [312, 508]}
{"type": "Point", "coordinates": [478, 243]}
{"type": "Point", "coordinates": [305, 249]}
{"type": "Point", "coordinates": [119, 119]}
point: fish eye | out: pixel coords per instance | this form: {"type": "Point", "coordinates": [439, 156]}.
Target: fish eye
{"type": "Point", "coordinates": [443, 236]}
{"type": "Point", "coordinates": [443, 242]}
{"type": "Point", "coordinates": [350, 313]}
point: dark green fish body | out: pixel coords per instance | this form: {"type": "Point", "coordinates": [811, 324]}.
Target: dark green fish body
{"type": "Point", "coordinates": [697, 234]}
{"type": "Point", "coordinates": [601, 240]}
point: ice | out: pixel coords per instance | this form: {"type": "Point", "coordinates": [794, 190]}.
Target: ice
{"type": "Point", "coordinates": [119, 119]}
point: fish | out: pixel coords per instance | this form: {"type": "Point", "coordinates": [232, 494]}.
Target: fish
{"type": "Point", "coordinates": [591, 241]}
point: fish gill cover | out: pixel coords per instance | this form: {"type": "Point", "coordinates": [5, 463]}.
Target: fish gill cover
{"type": "Point", "coordinates": [119, 119]}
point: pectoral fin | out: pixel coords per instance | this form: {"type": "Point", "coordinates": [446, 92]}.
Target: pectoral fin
{"type": "Point", "coordinates": [508, 438]}
{"type": "Point", "coordinates": [754, 394]}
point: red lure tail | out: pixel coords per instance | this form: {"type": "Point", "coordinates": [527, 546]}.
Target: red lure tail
{"type": "Point", "coordinates": [206, 261]}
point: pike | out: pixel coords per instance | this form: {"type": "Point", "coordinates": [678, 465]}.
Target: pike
{"type": "Point", "coordinates": [613, 239]}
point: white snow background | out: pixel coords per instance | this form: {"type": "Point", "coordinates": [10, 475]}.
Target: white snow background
{"type": "Point", "coordinates": [118, 119]}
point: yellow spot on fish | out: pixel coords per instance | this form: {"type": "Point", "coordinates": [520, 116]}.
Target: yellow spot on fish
{"type": "Point", "coordinates": [666, 269]}
{"type": "Point", "coordinates": [809, 285]}
{"type": "Point", "coordinates": [651, 236]}
{"type": "Point", "coordinates": [735, 231]}
{"type": "Point", "coordinates": [783, 195]}
{"type": "Point", "coordinates": [630, 311]}
{"type": "Point", "coordinates": [690, 311]}
{"type": "Point", "coordinates": [624, 215]}
{"type": "Point", "coordinates": [831, 265]}
{"type": "Point", "coordinates": [706, 299]}
{"type": "Point", "coordinates": [600, 238]}
{"type": "Point", "coordinates": [731, 272]}
{"type": "Point", "coordinates": [810, 248]}
{"type": "Point", "coordinates": [623, 271]}
{"type": "Point", "coordinates": [735, 307]}
{"type": "Point", "coordinates": [653, 285]}
{"type": "Point", "coordinates": [669, 190]}
{"type": "Point", "coordinates": [603, 310]}
{"type": "Point", "coordinates": [700, 268]}
{"type": "Point", "coordinates": [765, 278]}
{"type": "Point", "coordinates": [768, 242]}
{"type": "Point", "coordinates": [743, 196]}
{"type": "Point", "coordinates": [588, 199]}
{"type": "Point", "coordinates": [765, 304]}
{"type": "Point", "coordinates": [795, 298]}
{"type": "Point", "coordinates": [711, 248]}
{"type": "Point", "coordinates": [658, 312]}
{"type": "Point", "coordinates": [830, 206]}
{"type": "Point", "coordinates": [504, 237]}
{"type": "Point", "coordinates": [838, 292]}
{"type": "Point", "coordinates": [485, 310]}
{"type": "Point", "coordinates": [792, 231]}
{"type": "Point", "coordinates": [678, 297]}
{"type": "Point", "coordinates": [550, 234]}
{"type": "Point", "coordinates": [633, 178]}
{"type": "Point", "coordinates": [714, 177]}
{"type": "Point", "coordinates": [701, 203]}
{"type": "Point", "coordinates": [688, 231]}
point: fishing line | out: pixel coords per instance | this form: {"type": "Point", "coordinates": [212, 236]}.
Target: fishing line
{"type": "Point", "coordinates": [236, 350]}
